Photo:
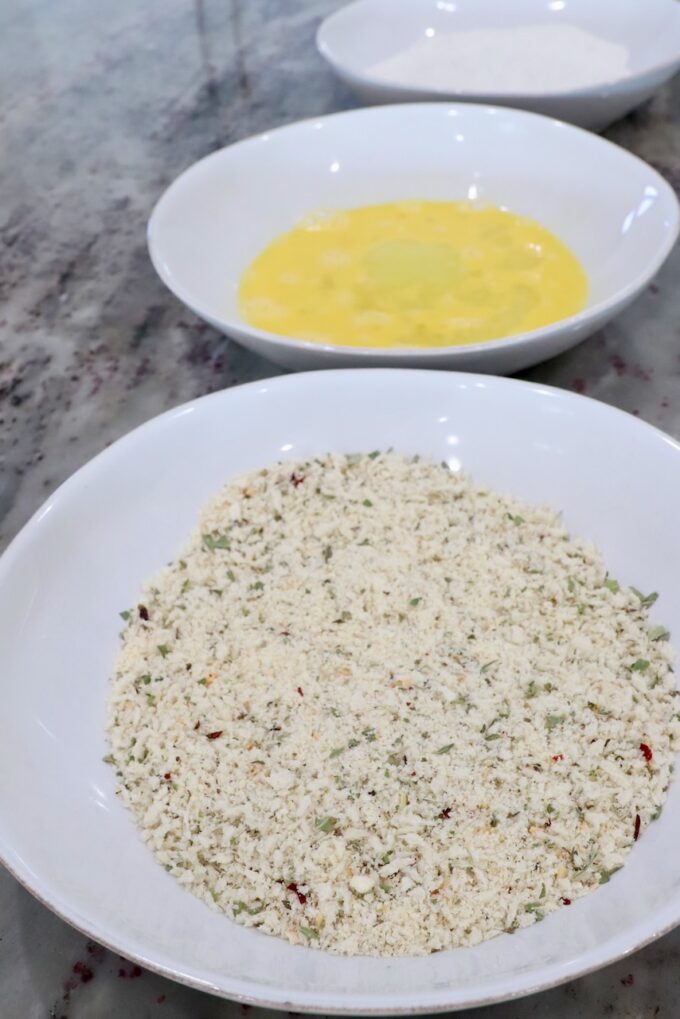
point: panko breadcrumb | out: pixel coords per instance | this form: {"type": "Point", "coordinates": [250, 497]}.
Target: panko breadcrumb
{"type": "Point", "coordinates": [378, 709]}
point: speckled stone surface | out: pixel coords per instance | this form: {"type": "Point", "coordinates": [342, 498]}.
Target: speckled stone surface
{"type": "Point", "coordinates": [101, 106]}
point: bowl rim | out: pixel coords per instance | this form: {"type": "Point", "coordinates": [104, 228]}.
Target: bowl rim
{"type": "Point", "coordinates": [238, 327]}
{"type": "Point", "coordinates": [362, 77]}
{"type": "Point", "coordinates": [638, 935]}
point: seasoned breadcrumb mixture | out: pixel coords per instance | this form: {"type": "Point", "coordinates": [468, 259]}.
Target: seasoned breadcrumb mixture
{"type": "Point", "coordinates": [378, 709]}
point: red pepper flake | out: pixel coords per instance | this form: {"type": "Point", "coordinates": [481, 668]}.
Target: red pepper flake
{"type": "Point", "coordinates": [646, 751]}
{"type": "Point", "coordinates": [83, 971]}
{"type": "Point", "coordinates": [445, 814]}
{"type": "Point", "coordinates": [167, 776]}
{"type": "Point", "coordinates": [628, 981]}
{"type": "Point", "coordinates": [215, 735]}
{"type": "Point", "coordinates": [636, 832]}
{"type": "Point", "coordinates": [143, 613]}
{"type": "Point", "coordinates": [556, 758]}
{"type": "Point", "coordinates": [413, 774]}
{"type": "Point", "coordinates": [131, 974]}
{"type": "Point", "coordinates": [197, 726]}
{"type": "Point", "coordinates": [294, 888]}
{"type": "Point", "coordinates": [299, 690]}
{"type": "Point", "coordinates": [565, 902]}
{"type": "Point", "coordinates": [297, 479]}
{"type": "Point", "coordinates": [160, 999]}
{"type": "Point", "coordinates": [285, 633]}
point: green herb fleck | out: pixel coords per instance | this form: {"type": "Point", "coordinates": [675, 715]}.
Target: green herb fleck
{"type": "Point", "coordinates": [415, 601]}
{"type": "Point", "coordinates": [641, 665]}
{"type": "Point", "coordinates": [309, 933]}
{"type": "Point", "coordinates": [352, 743]}
{"type": "Point", "coordinates": [164, 650]}
{"type": "Point", "coordinates": [109, 759]}
{"type": "Point", "coordinates": [151, 700]}
{"type": "Point", "coordinates": [367, 502]}
{"type": "Point", "coordinates": [492, 735]}
{"type": "Point", "coordinates": [241, 907]}
{"type": "Point", "coordinates": [485, 668]}
{"type": "Point", "coordinates": [659, 633]}
{"type": "Point", "coordinates": [612, 585]}
{"type": "Point", "coordinates": [327, 553]}
{"type": "Point", "coordinates": [186, 584]}
{"type": "Point", "coordinates": [531, 907]}
{"type": "Point", "coordinates": [605, 875]}
{"type": "Point", "coordinates": [337, 752]}
{"type": "Point", "coordinates": [145, 679]}
{"type": "Point", "coordinates": [211, 543]}
{"type": "Point", "coordinates": [542, 895]}
{"type": "Point", "coordinates": [325, 824]}
{"type": "Point", "coordinates": [645, 599]}
{"type": "Point", "coordinates": [571, 584]}
{"type": "Point", "coordinates": [532, 689]}
{"type": "Point", "coordinates": [386, 856]}
{"type": "Point", "coordinates": [552, 720]}
{"type": "Point", "coordinates": [517, 519]}
{"type": "Point", "coordinates": [369, 734]}
{"type": "Point", "coordinates": [445, 749]}
{"type": "Point", "coordinates": [374, 454]}
{"type": "Point", "coordinates": [125, 615]}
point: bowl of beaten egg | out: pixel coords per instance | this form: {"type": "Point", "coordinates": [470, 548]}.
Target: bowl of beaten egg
{"type": "Point", "coordinates": [424, 235]}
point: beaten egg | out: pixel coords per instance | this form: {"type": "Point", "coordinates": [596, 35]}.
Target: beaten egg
{"type": "Point", "coordinates": [412, 274]}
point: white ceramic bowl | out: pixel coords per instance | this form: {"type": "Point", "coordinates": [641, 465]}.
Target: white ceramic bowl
{"type": "Point", "coordinates": [616, 213]}
{"type": "Point", "coordinates": [82, 558]}
{"type": "Point", "coordinates": [359, 38]}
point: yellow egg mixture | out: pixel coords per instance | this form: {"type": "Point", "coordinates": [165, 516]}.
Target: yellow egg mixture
{"type": "Point", "coordinates": [414, 274]}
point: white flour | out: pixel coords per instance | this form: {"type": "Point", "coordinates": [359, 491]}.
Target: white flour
{"type": "Point", "coordinates": [531, 59]}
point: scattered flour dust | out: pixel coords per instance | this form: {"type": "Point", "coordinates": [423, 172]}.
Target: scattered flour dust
{"type": "Point", "coordinates": [377, 709]}
{"type": "Point", "coordinates": [527, 59]}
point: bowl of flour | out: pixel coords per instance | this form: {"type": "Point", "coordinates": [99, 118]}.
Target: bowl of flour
{"type": "Point", "coordinates": [585, 63]}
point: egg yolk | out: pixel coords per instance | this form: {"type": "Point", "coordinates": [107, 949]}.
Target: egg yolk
{"type": "Point", "coordinates": [412, 274]}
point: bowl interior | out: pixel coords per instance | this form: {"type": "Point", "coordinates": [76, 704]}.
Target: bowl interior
{"type": "Point", "coordinates": [615, 212]}
{"type": "Point", "coordinates": [82, 559]}
{"type": "Point", "coordinates": [355, 36]}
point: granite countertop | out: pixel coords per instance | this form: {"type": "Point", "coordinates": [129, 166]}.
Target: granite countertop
{"type": "Point", "coordinates": [101, 106]}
